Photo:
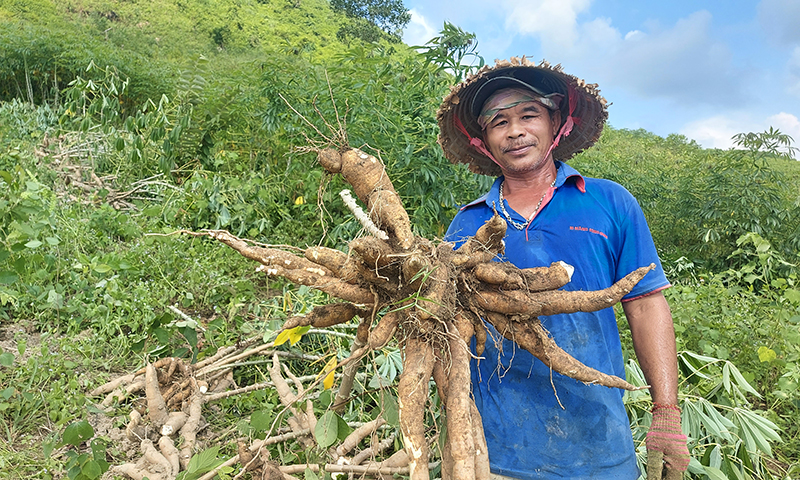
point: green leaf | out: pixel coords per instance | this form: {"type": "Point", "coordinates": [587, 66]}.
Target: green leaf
{"type": "Point", "coordinates": [152, 211]}
{"type": "Point", "coordinates": [92, 469]}
{"type": "Point", "coordinates": [766, 354]}
{"type": "Point", "coordinates": [33, 244]}
{"type": "Point", "coordinates": [327, 430]}
{"type": "Point", "coordinates": [202, 463]}
{"type": "Point", "coordinates": [102, 268]}
{"type": "Point", "coordinates": [309, 474]}
{"type": "Point", "coordinates": [77, 432]}
{"type": "Point", "coordinates": [7, 277]}
{"type": "Point", "coordinates": [792, 295]}
{"type": "Point", "coordinates": [6, 359]}
{"type": "Point", "coordinates": [754, 432]}
{"type": "Point", "coordinates": [191, 335]}
{"type": "Point", "coordinates": [343, 429]}
{"type": "Point", "coordinates": [391, 410]}
{"type": "Point", "coordinates": [740, 380]}
{"type": "Point", "coordinates": [261, 420]}
{"type": "Point", "coordinates": [703, 416]}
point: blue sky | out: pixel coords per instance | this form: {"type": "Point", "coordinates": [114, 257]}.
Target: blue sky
{"type": "Point", "coordinates": [703, 69]}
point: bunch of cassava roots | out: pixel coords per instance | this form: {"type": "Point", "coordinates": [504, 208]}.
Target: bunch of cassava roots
{"type": "Point", "coordinates": [433, 299]}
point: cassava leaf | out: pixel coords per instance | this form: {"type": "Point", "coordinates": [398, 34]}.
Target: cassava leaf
{"type": "Point", "coordinates": [715, 473]}
{"type": "Point", "coordinates": [740, 380]}
{"type": "Point", "coordinates": [293, 335]}
{"type": "Point", "coordinates": [201, 463]}
{"type": "Point", "coordinates": [328, 372]}
{"type": "Point", "coordinates": [327, 430]}
{"type": "Point", "coordinates": [77, 432]}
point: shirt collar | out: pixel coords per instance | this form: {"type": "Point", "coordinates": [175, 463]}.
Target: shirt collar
{"type": "Point", "coordinates": [563, 173]}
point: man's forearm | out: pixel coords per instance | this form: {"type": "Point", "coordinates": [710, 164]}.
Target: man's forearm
{"type": "Point", "coordinates": [653, 337]}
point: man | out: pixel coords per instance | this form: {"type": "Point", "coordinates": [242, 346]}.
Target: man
{"type": "Point", "coordinates": [520, 122]}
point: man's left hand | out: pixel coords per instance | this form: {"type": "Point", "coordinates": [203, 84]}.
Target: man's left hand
{"type": "Point", "coordinates": [667, 454]}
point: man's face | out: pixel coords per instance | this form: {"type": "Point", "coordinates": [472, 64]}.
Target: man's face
{"type": "Point", "coordinates": [519, 137]}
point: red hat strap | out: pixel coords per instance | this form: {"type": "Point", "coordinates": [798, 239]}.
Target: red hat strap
{"type": "Point", "coordinates": [474, 141]}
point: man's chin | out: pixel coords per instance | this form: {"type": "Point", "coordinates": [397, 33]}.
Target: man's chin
{"type": "Point", "coordinates": [524, 165]}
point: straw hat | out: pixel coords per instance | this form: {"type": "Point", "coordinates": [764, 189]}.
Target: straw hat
{"type": "Point", "coordinates": [583, 110]}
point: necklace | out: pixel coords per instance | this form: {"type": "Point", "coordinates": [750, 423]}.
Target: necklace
{"type": "Point", "coordinates": [521, 226]}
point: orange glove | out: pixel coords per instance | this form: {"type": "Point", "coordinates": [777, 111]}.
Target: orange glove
{"type": "Point", "coordinates": [667, 454]}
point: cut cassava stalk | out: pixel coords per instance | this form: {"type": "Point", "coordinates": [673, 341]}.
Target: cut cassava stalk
{"type": "Point", "coordinates": [357, 435]}
{"type": "Point", "coordinates": [372, 186]}
{"type": "Point", "coordinates": [350, 370]}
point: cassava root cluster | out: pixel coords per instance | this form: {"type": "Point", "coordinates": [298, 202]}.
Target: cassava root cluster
{"type": "Point", "coordinates": [433, 299]}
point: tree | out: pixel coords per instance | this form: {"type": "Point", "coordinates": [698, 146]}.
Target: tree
{"type": "Point", "coordinates": [390, 16]}
{"type": "Point", "coordinates": [450, 50]}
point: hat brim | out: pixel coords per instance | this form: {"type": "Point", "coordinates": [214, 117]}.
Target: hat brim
{"type": "Point", "coordinates": [457, 110]}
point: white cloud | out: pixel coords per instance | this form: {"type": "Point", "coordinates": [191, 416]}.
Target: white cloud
{"type": "Point", "coordinates": [788, 124]}
{"type": "Point", "coordinates": [633, 35]}
{"type": "Point", "coordinates": [553, 21]}
{"type": "Point", "coordinates": [714, 132]}
{"type": "Point", "coordinates": [598, 40]}
{"type": "Point", "coordinates": [418, 31]}
{"type": "Point", "coordinates": [717, 131]}
{"type": "Point", "coordinates": [682, 63]}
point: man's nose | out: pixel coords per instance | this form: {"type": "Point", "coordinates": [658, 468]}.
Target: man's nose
{"type": "Point", "coordinates": [515, 130]}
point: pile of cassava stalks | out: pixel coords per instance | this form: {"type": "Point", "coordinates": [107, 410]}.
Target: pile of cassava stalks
{"type": "Point", "coordinates": [431, 298]}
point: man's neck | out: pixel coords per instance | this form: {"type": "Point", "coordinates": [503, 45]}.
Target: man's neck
{"type": "Point", "coordinates": [532, 183]}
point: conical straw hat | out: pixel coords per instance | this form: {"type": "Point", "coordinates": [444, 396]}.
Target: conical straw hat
{"type": "Point", "coordinates": [458, 113]}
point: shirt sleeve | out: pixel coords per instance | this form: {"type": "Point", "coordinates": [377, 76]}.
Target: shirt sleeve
{"type": "Point", "coordinates": [637, 249]}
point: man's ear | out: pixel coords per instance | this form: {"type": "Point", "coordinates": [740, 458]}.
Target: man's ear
{"type": "Point", "coordinates": [555, 119]}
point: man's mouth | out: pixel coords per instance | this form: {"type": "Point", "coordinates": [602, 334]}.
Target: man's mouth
{"type": "Point", "coordinates": [516, 148]}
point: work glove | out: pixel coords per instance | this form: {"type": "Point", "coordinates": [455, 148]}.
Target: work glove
{"type": "Point", "coordinates": [667, 454]}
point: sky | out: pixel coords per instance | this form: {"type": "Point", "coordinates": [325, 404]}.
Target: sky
{"type": "Point", "coordinates": [706, 69]}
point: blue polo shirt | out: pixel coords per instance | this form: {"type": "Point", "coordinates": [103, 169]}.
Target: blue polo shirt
{"type": "Point", "coordinates": [597, 227]}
